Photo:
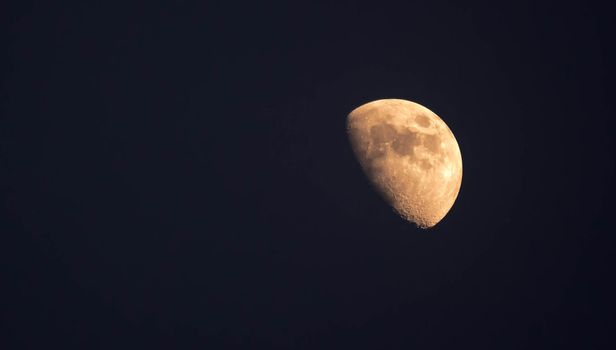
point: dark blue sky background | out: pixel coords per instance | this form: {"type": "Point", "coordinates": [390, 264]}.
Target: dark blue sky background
{"type": "Point", "coordinates": [177, 175]}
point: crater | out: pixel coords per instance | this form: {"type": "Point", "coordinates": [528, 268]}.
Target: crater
{"type": "Point", "coordinates": [375, 152]}
{"type": "Point", "coordinates": [404, 143]}
{"type": "Point", "coordinates": [422, 120]}
{"type": "Point", "coordinates": [425, 164]}
{"type": "Point", "coordinates": [382, 133]}
{"type": "Point", "coordinates": [432, 143]}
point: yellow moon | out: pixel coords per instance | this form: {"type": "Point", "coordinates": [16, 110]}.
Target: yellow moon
{"type": "Point", "coordinates": [410, 155]}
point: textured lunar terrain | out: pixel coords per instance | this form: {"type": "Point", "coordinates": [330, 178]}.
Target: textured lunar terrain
{"type": "Point", "coordinates": [410, 155]}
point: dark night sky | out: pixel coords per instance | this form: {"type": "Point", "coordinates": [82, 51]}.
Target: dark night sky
{"type": "Point", "coordinates": [177, 175]}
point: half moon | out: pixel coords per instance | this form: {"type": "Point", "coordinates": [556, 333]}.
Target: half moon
{"type": "Point", "coordinates": [410, 155]}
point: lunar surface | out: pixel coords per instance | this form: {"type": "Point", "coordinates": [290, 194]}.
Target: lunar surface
{"type": "Point", "coordinates": [411, 157]}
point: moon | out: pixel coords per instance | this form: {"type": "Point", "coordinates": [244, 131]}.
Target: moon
{"type": "Point", "coordinates": [410, 155]}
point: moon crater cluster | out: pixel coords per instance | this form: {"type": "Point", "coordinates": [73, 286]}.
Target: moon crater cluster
{"type": "Point", "coordinates": [410, 155]}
